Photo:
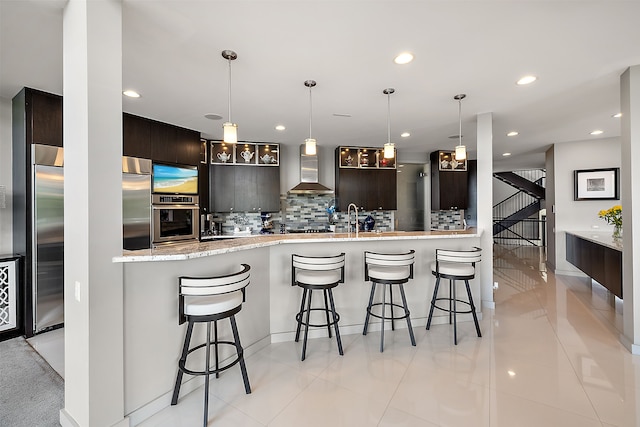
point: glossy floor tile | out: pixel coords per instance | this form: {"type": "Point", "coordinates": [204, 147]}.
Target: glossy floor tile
{"type": "Point", "coordinates": [50, 345]}
{"type": "Point", "coordinates": [549, 356]}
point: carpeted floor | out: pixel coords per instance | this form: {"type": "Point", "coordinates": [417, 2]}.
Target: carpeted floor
{"type": "Point", "coordinates": [31, 392]}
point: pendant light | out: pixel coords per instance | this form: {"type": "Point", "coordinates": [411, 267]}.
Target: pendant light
{"type": "Point", "coordinates": [229, 129]}
{"type": "Point", "coordinates": [461, 150]}
{"type": "Point", "coordinates": [310, 143]}
{"type": "Point", "coordinates": [389, 147]}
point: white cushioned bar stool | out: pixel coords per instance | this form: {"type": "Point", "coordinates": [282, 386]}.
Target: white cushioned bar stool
{"type": "Point", "coordinates": [388, 270]}
{"type": "Point", "coordinates": [206, 300]}
{"type": "Point", "coordinates": [317, 273]}
{"type": "Point", "coordinates": [455, 265]}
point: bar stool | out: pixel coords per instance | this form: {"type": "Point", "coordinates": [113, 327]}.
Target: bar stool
{"type": "Point", "coordinates": [209, 299]}
{"type": "Point", "coordinates": [454, 265]}
{"type": "Point", "coordinates": [388, 270]}
{"type": "Point", "coordinates": [321, 273]}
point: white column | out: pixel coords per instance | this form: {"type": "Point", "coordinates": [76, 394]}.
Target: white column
{"type": "Point", "coordinates": [92, 86]}
{"type": "Point", "coordinates": [485, 205]}
{"type": "Point", "coordinates": [630, 184]}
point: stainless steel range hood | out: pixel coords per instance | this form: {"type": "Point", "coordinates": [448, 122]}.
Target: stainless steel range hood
{"type": "Point", "coordinates": [309, 176]}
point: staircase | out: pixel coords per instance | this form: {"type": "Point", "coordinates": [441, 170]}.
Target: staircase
{"type": "Point", "coordinates": [515, 219]}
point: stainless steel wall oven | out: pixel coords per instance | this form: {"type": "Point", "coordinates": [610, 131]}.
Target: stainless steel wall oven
{"type": "Point", "coordinates": [175, 218]}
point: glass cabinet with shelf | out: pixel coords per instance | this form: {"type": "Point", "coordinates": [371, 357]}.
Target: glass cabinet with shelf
{"type": "Point", "coordinates": [245, 153]}
{"type": "Point", "coordinates": [364, 157]}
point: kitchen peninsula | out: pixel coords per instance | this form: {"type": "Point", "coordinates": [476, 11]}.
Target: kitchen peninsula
{"type": "Point", "coordinates": [152, 336]}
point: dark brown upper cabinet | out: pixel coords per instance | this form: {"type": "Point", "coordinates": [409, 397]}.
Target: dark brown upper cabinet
{"type": "Point", "coordinates": [369, 188]}
{"type": "Point", "coordinates": [160, 142]}
{"type": "Point", "coordinates": [449, 188]}
{"type": "Point", "coordinates": [42, 113]}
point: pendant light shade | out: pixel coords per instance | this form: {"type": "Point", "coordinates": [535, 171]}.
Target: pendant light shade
{"type": "Point", "coordinates": [310, 143]}
{"type": "Point", "coordinates": [461, 150]}
{"type": "Point", "coordinates": [389, 147]}
{"type": "Point", "coordinates": [229, 129]}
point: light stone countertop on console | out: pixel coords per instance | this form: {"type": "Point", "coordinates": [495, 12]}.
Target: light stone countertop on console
{"type": "Point", "coordinates": [183, 251]}
{"type": "Point", "coordinates": [603, 238]}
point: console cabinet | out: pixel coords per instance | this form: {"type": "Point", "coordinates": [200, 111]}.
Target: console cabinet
{"type": "Point", "coordinates": [602, 263]}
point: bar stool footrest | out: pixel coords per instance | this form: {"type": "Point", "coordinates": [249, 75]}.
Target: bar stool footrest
{"type": "Point", "coordinates": [451, 311]}
{"type": "Point", "coordinates": [379, 316]}
{"type": "Point", "coordinates": [299, 318]}
{"type": "Point", "coordinates": [240, 353]}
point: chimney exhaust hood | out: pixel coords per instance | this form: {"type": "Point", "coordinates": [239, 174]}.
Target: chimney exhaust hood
{"type": "Point", "coordinates": [309, 176]}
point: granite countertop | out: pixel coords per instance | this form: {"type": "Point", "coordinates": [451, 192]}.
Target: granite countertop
{"type": "Point", "coordinates": [603, 238]}
{"type": "Point", "coordinates": [183, 251]}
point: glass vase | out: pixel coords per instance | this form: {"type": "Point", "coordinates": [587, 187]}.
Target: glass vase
{"type": "Point", "coordinates": [617, 231]}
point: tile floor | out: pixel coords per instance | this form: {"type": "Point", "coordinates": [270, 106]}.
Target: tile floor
{"type": "Point", "coordinates": [549, 356]}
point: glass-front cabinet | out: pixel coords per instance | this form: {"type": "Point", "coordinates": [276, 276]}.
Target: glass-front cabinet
{"type": "Point", "coordinates": [245, 153]}
{"type": "Point", "coordinates": [365, 157]}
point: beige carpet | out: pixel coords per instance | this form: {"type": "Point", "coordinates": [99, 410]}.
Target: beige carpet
{"type": "Point", "coordinates": [31, 392]}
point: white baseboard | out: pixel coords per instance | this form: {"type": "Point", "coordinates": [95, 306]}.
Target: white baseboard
{"type": "Point", "coordinates": [67, 420]}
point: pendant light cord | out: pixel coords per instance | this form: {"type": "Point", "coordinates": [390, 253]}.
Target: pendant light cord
{"type": "Point", "coordinates": [229, 60]}
{"type": "Point", "coordinates": [310, 111]}
{"type": "Point", "coordinates": [460, 122]}
{"type": "Point", "coordinates": [389, 118]}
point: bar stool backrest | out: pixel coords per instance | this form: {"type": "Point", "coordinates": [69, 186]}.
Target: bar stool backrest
{"type": "Point", "coordinates": [317, 263]}
{"type": "Point", "coordinates": [405, 259]}
{"type": "Point", "coordinates": [461, 256]}
{"type": "Point", "coordinates": [216, 285]}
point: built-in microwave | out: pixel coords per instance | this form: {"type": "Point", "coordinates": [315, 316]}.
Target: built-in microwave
{"type": "Point", "coordinates": [175, 218]}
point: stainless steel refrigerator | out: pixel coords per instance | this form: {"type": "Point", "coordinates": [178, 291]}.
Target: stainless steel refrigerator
{"type": "Point", "coordinates": [136, 203]}
{"type": "Point", "coordinates": [48, 237]}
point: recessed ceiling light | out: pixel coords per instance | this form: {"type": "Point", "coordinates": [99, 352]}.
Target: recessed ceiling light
{"type": "Point", "coordinates": [596, 132]}
{"type": "Point", "coordinates": [617, 116]}
{"type": "Point", "coordinates": [512, 133]}
{"type": "Point", "coordinates": [511, 373]}
{"type": "Point", "coordinates": [213, 116]}
{"type": "Point", "coordinates": [280, 127]}
{"type": "Point", "coordinates": [506, 154]}
{"type": "Point", "coordinates": [403, 58]}
{"type": "Point", "coordinates": [526, 80]}
{"type": "Point", "coordinates": [405, 134]}
{"type": "Point", "coordinates": [131, 94]}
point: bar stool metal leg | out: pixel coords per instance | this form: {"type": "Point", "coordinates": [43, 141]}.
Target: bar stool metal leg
{"type": "Point", "coordinates": [206, 375]}
{"type": "Point", "coordinates": [406, 312]}
{"type": "Point", "coordinates": [326, 312]}
{"type": "Point", "coordinates": [215, 340]}
{"type": "Point", "coordinates": [335, 322]}
{"type": "Point", "coordinates": [455, 328]}
{"type": "Point", "coordinates": [300, 314]}
{"type": "Point", "coordinates": [239, 349]}
{"type": "Point", "coordinates": [382, 320]}
{"type": "Point", "coordinates": [473, 308]}
{"type": "Point", "coordinates": [306, 326]}
{"type": "Point", "coordinates": [433, 302]}
{"type": "Point", "coordinates": [183, 358]}
{"type": "Point", "coordinates": [366, 319]}
{"type": "Point", "coordinates": [393, 326]}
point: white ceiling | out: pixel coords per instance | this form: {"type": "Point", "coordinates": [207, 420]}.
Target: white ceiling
{"type": "Point", "coordinates": [172, 56]}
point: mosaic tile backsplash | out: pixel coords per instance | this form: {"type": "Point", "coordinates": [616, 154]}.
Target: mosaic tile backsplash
{"type": "Point", "coordinates": [301, 212]}
{"type": "Point", "coordinates": [447, 220]}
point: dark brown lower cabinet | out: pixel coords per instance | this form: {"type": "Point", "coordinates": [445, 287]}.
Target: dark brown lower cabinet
{"type": "Point", "coordinates": [602, 263]}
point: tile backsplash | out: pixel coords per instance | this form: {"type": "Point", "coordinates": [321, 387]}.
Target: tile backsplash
{"type": "Point", "coordinates": [301, 212]}
{"type": "Point", "coordinates": [447, 220]}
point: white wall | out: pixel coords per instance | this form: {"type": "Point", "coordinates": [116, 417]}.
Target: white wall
{"type": "Point", "coordinates": [6, 216]}
{"type": "Point", "coordinates": [573, 215]}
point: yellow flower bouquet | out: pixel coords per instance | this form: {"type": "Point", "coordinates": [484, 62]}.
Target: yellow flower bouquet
{"type": "Point", "coordinates": [613, 216]}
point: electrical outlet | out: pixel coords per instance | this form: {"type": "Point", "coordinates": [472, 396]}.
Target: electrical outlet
{"type": "Point", "coordinates": [77, 291]}
{"type": "Point", "coordinates": [495, 286]}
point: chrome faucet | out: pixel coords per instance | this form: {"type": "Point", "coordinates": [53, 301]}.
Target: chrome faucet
{"type": "Point", "coordinates": [355, 209]}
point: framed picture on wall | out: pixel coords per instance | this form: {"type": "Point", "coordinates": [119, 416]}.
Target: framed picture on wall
{"type": "Point", "coordinates": [597, 184]}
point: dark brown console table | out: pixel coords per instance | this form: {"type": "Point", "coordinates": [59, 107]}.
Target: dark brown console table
{"type": "Point", "coordinates": [598, 256]}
